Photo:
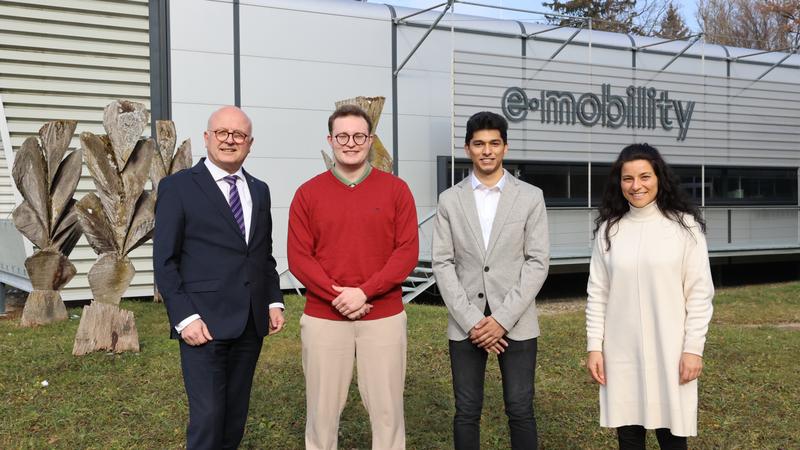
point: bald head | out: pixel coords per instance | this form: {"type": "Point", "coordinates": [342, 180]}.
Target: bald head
{"type": "Point", "coordinates": [228, 138]}
{"type": "Point", "coordinates": [230, 113]}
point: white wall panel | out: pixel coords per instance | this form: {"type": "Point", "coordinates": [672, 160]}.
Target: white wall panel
{"type": "Point", "coordinates": [69, 63]}
{"type": "Point", "coordinates": [202, 26]}
{"type": "Point", "coordinates": [368, 42]}
{"type": "Point", "coordinates": [280, 83]}
{"type": "Point", "coordinates": [204, 78]}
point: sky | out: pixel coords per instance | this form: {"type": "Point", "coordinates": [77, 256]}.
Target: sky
{"type": "Point", "coordinates": [688, 8]}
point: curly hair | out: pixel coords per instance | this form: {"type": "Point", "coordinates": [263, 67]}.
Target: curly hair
{"type": "Point", "coordinates": [673, 201]}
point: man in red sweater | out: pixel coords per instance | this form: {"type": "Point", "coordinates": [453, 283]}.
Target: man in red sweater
{"type": "Point", "coordinates": [352, 241]}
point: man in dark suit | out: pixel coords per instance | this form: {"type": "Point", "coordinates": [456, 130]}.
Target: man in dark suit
{"type": "Point", "coordinates": [213, 263]}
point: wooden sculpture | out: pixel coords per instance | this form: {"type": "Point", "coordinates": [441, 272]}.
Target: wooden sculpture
{"type": "Point", "coordinates": [47, 217]}
{"type": "Point", "coordinates": [116, 219]}
{"type": "Point", "coordinates": [379, 158]}
{"type": "Point", "coordinates": [167, 162]}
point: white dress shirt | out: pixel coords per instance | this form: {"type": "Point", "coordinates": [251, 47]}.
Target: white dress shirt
{"type": "Point", "coordinates": [486, 200]}
{"type": "Point", "coordinates": [247, 211]}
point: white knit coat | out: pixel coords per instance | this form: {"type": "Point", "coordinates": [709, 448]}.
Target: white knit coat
{"type": "Point", "coordinates": [649, 301]}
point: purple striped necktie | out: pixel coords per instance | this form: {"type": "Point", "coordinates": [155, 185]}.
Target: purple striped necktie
{"type": "Point", "coordinates": [235, 202]}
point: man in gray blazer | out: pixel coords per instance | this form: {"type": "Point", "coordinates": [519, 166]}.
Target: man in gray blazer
{"type": "Point", "coordinates": [490, 258]}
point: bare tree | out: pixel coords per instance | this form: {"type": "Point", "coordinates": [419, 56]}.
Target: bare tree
{"type": "Point", "coordinates": [747, 23]}
{"type": "Point", "coordinates": [790, 11]}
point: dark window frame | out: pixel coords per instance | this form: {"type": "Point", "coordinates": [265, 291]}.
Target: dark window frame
{"type": "Point", "coordinates": [696, 171]}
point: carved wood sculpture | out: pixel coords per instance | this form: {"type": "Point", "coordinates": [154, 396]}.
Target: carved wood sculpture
{"type": "Point", "coordinates": [378, 156]}
{"type": "Point", "coordinates": [167, 162]}
{"type": "Point", "coordinates": [116, 219]}
{"type": "Point", "coordinates": [47, 217]}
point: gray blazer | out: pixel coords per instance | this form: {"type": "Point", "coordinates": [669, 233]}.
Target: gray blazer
{"type": "Point", "coordinates": [508, 274]}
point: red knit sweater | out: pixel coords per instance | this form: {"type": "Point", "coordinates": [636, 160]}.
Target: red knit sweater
{"type": "Point", "coordinates": [363, 236]}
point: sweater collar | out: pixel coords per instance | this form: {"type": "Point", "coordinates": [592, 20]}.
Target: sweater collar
{"type": "Point", "coordinates": [646, 212]}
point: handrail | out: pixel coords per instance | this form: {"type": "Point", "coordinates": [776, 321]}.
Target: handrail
{"type": "Point", "coordinates": [427, 217]}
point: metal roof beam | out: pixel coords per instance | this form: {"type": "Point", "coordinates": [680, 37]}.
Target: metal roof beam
{"type": "Point", "coordinates": [506, 8]}
{"type": "Point", "coordinates": [671, 40]}
{"type": "Point", "coordinates": [674, 58]}
{"type": "Point", "coordinates": [794, 50]}
{"type": "Point", "coordinates": [530, 35]}
{"type": "Point", "coordinates": [565, 43]}
{"type": "Point", "coordinates": [400, 20]}
{"type": "Point", "coordinates": [425, 36]}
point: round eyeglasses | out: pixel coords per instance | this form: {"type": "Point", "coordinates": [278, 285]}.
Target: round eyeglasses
{"type": "Point", "coordinates": [344, 138]}
{"type": "Point", "coordinates": [222, 136]}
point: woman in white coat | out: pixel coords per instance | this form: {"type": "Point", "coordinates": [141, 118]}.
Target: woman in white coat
{"type": "Point", "coordinates": [649, 302]}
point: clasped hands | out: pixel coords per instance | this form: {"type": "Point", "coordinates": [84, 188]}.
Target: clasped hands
{"type": "Point", "coordinates": [488, 335]}
{"type": "Point", "coordinates": [351, 302]}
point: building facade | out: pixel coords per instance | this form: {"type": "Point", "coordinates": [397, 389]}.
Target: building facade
{"type": "Point", "coordinates": [728, 119]}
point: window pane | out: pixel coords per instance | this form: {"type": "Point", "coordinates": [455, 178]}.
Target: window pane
{"type": "Point", "coordinates": [599, 179]}
{"type": "Point", "coordinates": [563, 184]}
{"type": "Point", "coordinates": [691, 181]}
{"type": "Point", "coordinates": [751, 186]}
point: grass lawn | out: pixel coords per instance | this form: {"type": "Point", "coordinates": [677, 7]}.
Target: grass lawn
{"type": "Point", "coordinates": [749, 392]}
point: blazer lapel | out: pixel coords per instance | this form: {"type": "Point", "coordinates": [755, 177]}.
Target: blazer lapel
{"type": "Point", "coordinates": [467, 200]}
{"type": "Point", "coordinates": [203, 178]}
{"type": "Point", "coordinates": [504, 207]}
{"type": "Point", "coordinates": [256, 198]}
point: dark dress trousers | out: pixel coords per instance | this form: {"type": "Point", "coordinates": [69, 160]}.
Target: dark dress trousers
{"type": "Point", "coordinates": [203, 265]}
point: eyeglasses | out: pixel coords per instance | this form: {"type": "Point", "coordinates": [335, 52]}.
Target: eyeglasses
{"type": "Point", "coordinates": [358, 138]}
{"type": "Point", "coordinates": [222, 136]}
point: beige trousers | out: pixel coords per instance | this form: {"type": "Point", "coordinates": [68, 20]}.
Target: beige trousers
{"type": "Point", "coordinates": [329, 350]}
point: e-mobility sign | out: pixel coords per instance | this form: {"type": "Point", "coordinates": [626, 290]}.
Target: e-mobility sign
{"type": "Point", "coordinates": [640, 107]}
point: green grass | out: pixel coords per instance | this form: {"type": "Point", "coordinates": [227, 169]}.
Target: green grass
{"type": "Point", "coordinates": [749, 392]}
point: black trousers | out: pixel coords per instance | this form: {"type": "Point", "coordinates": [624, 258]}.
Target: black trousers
{"type": "Point", "coordinates": [218, 376]}
{"type": "Point", "coordinates": [632, 437]}
{"type": "Point", "coordinates": [518, 369]}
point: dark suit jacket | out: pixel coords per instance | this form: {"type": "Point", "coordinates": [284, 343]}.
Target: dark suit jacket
{"type": "Point", "coordinates": [201, 262]}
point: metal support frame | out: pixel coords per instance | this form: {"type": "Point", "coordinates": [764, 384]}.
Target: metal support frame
{"type": "Point", "coordinates": [678, 55]}
{"type": "Point", "coordinates": [530, 35]}
{"type": "Point", "coordinates": [642, 47]}
{"type": "Point", "coordinates": [764, 52]}
{"type": "Point", "coordinates": [160, 89]}
{"type": "Point", "coordinates": [237, 57]}
{"type": "Point", "coordinates": [770, 69]}
{"type": "Point", "coordinates": [794, 50]}
{"type": "Point", "coordinates": [776, 65]}
{"type": "Point", "coordinates": [566, 43]}
{"type": "Point", "coordinates": [404, 18]}
{"type": "Point", "coordinates": [425, 36]}
{"type": "Point", "coordinates": [2, 299]}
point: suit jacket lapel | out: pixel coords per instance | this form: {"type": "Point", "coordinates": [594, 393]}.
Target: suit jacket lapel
{"type": "Point", "coordinates": [256, 198]}
{"type": "Point", "coordinates": [203, 178]}
{"type": "Point", "coordinates": [467, 199]}
{"type": "Point", "coordinates": [504, 207]}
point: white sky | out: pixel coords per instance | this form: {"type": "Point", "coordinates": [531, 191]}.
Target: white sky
{"type": "Point", "coordinates": [688, 8]}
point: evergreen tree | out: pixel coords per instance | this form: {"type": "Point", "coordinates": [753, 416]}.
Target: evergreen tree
{"type": "Point", "coordinates": [672, 25]}
{"type": "Point", "coordinates": [607, 15]}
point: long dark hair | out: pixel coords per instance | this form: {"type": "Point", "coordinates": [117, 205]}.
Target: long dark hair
{"type": "Point", "coordinates": [673, 201]}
